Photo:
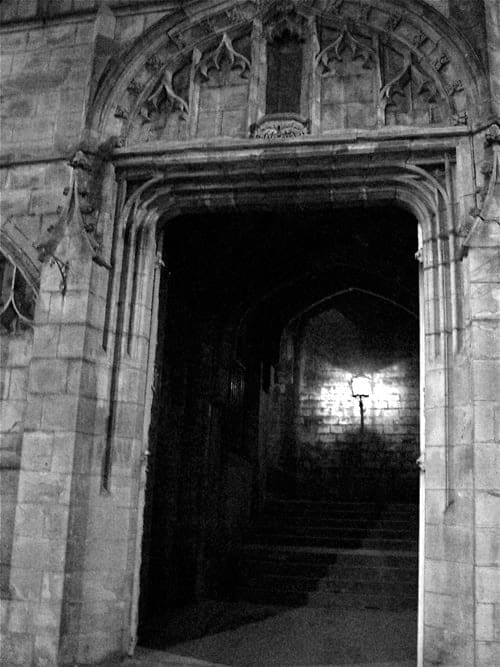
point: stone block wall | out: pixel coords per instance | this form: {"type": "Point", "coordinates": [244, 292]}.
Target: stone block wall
{"type": "Point", "coordinates": [15, 353]}
{"type": "Point", "coordinates": [45, 72]}
{"type": "Point", "coordinates": [73, 551]}
{"type": "Point", "coordinates": [485, 343]}
{"type": "Point", "coordinates": [74, 545]}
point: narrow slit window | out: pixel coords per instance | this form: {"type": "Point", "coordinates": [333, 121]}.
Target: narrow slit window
{"type": "Point", "coordinates": [284, 75]}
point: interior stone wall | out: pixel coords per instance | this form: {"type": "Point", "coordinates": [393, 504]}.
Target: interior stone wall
{"type": "Point", "coordinates": [331, 446]}
{"type": "Point", "coordinates": [317, 413]}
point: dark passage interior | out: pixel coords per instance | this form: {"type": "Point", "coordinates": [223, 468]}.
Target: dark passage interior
{"type": "Point", "coordinates": [269, 321]}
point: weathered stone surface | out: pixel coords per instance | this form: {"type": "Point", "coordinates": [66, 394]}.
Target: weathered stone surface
{"type": "Point", "coordinates": [485, 339]}
{"type": "Point", "coordinates": [55, 436]}
{"type": "Point", "coordinates": [449, 542]}
{"type": "Point", "coordinates": [488, 545]}
{"type": "Point", "coordinates": [485, 265]}
{"type": "Point", "coordinates": [48, 376]}
{"type": "Point", "coordinates": [46, 648]}
{"type": "Point", "coordinates": [444, 576]}
{"type": "Point", "coordinates": [29, 552]}
{"type": "Point", "coordinates": [488, 622]}
{"type": "Point", "coordinates": [488, 508]}
{"type": "Point", "coordinates": [36, 487]}
{"type": "Point", "coordinates": [16, 648]}
{"type": "Point", "coordinates": [484, 423]}
{"type": "Point", "coordinates": [447, 647]}
{"type": "Point", "coordinates": [488, 653]}
{"type": "Point", "coordinates": [25, 583]}
{"type": "Point", "coordinates": [52, 586]}
{"type": "Point", "coordinates": [487, 584]}
{"type": "Point", "coordinates": [487, 466]}
{"type": "Point", "coordinates": [486, 378]}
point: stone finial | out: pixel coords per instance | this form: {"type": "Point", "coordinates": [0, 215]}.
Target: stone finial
{"type": "Point", "coordinates": [461, 118]}
{"type": "Point", "coordinates": [121, 112]}
{"type": "Point", "coordinates": [283, 19]}
{"type": "Point", "coordinates": [454, 87]}
{"type": "Point", "coordinates": [155, 64]}
{"type": "Point", "coordinates": [134, 88]}
{"type": "Point", "coordinates": [419, 39]}
{"type": "Point", "coordinates": [440, 61]}
{"type": "Point", "coordinates": [492, 136]}
{"type": "Point", "coordinates": [393, 21]}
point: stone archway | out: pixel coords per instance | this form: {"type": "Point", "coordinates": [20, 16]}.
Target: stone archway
{"type": "Point", "coordinates": [388, 187]}
{"type": "Point", "coordinates": [179, 235]}
{"type": "Point", "coordinates": [427, 167]}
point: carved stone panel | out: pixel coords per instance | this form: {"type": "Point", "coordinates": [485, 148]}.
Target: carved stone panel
{"type": "Point", "coordinates": [347, 68]}
{"type": "Point", "coordinates": [223, 89]}
{"type": "Point", "coordinates": [164, 114]}
{"type": "Point", "coordinates": [410, 96]}
{"type": "Point", "coordinates": [335, 64]}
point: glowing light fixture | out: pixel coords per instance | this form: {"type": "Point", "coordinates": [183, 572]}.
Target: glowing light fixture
{"type": "Point", "coordinates": [361, 386]}
{"type": "Point", "coordinates": [360, 389]}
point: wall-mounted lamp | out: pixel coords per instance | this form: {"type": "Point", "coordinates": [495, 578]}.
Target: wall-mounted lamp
{"type": "Point", "coordinates": [360, 389]}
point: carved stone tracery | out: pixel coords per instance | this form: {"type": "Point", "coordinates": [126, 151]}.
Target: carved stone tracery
{"type": "Point", "coordinates": [345, 41]}
{"type": "Point", "coordinates": [224, 51]}
{"type": "Point", "coordinates": [413, 88]}
{"type": "Point", "coordinates": [17, 298]}
{"type": "Point", "coordinates": [423, 85]}
{"type": "Point", "coordinates": [164, 95]}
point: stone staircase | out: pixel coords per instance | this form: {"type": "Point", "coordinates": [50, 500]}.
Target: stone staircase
{"type": "Point", "coordinates": [332, 554]}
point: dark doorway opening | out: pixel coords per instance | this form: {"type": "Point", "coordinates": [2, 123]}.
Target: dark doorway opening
{"type": "Point", "coordinates": [265, 317]}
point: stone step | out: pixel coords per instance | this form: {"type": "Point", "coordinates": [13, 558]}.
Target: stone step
{"type": "Point", "coordinates": [331, 521]}
{"type": "Point", "coordinates": [356, 522]}
{"type": "Point", "coordinates": [290, 505]}
{"type": "Point", "coordinates": [318, 507]}
{"type": "Point", "coordinates": [380, 573]}
{"type": "Point", "coordinates": [266, 596]}
{"type": "Point", "coordinates": [254, 568]}
{"type": "Point", "coordinates": [328, 531]}
{"type": "Point", "coordinates": [340, 541]}
{"type": "Point", "coordinates": [334, 584]}
{"type": "Point", "coordinates": [362, 601]}
{"type": "Point", "coordinates": [328, 556]}
{"type": "Point", "coordinates": [396, 524]}
{"type": "Point", "coordinates": [328, 600]}
{"type": "Point", "coordinates": [332, 554]}
{"type": "Point", "coordinates": [390, 544]}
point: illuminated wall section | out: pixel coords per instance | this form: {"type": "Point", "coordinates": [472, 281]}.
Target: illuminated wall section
{"type": "Point", "coordinates": [337, 455]}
